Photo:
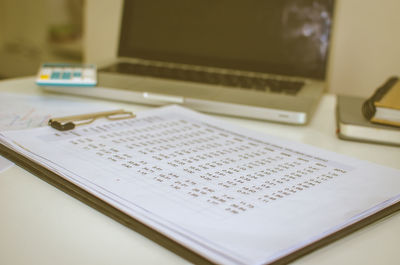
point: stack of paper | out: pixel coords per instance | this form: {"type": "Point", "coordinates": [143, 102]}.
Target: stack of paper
{"type": "Point", "coordinates": [230, 195]}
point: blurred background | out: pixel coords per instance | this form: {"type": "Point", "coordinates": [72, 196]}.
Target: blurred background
{"type": "Point", "coordinates": [364, 54]}
{"type": "Point", "coordinates": [32, 32]}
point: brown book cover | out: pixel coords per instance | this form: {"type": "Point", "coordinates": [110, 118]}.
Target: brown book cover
{"type": "Point", "coordinates": [384, 105]}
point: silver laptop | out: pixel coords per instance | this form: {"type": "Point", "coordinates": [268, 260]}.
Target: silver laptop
{"type": "Point", "coordinates": [262, 59]}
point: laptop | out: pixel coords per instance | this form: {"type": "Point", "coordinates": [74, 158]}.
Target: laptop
{"type": "Point", "coordinates": [261, 59]}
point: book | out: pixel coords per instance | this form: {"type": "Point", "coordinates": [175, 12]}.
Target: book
{"type": "Point", "coordinates": [384, 105]}
{"type": "Point", "coordinates": [352, 125]}
{"type": "Point", "coordinates": [208, 190]}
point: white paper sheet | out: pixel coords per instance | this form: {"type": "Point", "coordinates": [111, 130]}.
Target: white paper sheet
{"type": "Point", "coordinates": [232, 195]}
{"type": "Point", "coordinates": [20, 111]}
{"type": "Point", "coordinates": [5, 164]}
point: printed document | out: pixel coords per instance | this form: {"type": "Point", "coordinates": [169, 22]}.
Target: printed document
{"type": "Point", "coordinates": [229, 194]}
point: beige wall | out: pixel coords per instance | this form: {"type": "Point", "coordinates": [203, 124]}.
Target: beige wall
{"type": "Point", "coordinates": [24, 35]}
{"type": "Point", "coordinates": [2, 22]}
{"type": "Point", "coordinates": [365, 47]}
{"type": "Point", "coordinates": [101, 30]}
{"type": "Point", "coordinates": [23, 21]}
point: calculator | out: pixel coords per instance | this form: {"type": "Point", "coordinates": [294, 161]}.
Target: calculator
{"type": "Point", "coordinates": [61, 74]}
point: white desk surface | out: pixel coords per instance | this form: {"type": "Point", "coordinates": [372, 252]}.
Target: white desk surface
{"type": "Point", "coordinates": [40, 224]}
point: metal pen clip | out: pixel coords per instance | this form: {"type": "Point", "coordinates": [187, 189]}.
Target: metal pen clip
{"type": "Point", "coordinates": [70, 122]}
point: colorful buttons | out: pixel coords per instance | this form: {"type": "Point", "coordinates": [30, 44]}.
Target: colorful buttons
{"type": "Point", "coordinates": [67, 75]}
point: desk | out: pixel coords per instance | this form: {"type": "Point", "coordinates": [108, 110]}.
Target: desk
{"type": "Point", "coordinates": [39, 224]}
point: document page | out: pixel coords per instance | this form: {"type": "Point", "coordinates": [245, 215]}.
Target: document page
{"type": "Point", "coordinates": [20, 111]}
{"type": "Point", "coordinates": [229, 194]}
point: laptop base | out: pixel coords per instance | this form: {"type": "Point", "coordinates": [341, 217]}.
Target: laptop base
{"type": "Point", "coordinates": [295, 109]}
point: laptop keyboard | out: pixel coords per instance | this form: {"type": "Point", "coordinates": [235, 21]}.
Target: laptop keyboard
{"type": "Point", "coordinates": [237, 81]}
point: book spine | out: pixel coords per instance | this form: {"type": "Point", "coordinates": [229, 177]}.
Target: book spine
{"type": "Point", "coordinates": [368, 108]}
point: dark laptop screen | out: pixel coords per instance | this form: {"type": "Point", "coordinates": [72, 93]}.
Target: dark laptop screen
{"type": "Point", "coordinates": [288, 37]}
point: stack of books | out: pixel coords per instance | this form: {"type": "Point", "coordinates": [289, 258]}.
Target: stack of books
{"type": "Point", "coordinates": [376, 119]}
